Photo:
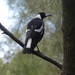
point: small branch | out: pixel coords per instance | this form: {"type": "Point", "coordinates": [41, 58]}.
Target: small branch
{"type": "Point", "coordinates": [37, 53]}
{"type": "Point", "coordinates": [41, 55]}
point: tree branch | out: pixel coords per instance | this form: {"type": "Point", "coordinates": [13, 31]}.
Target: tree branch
{"type": "Point", "coordinates": [39, 54]}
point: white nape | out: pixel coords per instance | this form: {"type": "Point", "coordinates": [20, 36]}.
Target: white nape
{"type": "Point", "coordinates": [29, 43]}
{"type": "Point", "coordinates": [38, 16]}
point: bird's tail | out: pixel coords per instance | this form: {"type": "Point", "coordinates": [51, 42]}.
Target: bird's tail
{"type": "Point", "coordinates": [27, 47]}
{"type": "Point", "coordinates": [26, 50]}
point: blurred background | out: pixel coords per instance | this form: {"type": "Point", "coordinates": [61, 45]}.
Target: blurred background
{"type": "Point", "coordinates": [18, 13]}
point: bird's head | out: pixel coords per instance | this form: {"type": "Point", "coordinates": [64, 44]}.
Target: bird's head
{"type": "Point", "coordinates": [42, 15]}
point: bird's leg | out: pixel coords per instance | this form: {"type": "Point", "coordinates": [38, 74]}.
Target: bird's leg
{"type": "Point", "coordinates": [38, 48]}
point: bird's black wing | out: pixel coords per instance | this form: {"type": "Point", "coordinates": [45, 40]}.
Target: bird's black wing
{"type": "Point", "coordinates": [34, 28]}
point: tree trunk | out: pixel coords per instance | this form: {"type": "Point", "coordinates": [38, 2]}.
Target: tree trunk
{"type": "Point", "coordinates": [68, 29]}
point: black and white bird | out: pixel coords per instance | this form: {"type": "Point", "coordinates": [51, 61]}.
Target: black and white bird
{"type": "Point", "coordinates": [34, 33]}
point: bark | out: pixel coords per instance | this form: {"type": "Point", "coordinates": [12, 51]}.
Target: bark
{"type": "Point", "coordinates": [68, 29]}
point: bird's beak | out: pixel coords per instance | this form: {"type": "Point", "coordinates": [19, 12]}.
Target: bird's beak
{"type": "Point", "coordinates": [47, 15]}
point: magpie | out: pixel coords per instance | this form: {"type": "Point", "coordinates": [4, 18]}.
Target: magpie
{"type": "Point", "coordinates": [34, 33]}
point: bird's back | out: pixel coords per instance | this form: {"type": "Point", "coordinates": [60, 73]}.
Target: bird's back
{"type": "Point", "coordinates": [35, 23]}
{"type": "Point", "coordinates": [36, 27]}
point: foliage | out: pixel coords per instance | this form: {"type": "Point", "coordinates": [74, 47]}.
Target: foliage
{"type": "Point", "coordinates": [29, 65]}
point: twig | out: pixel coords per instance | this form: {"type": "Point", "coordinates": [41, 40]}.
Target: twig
{"type": "Point", "coordinates": [37, 53]}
